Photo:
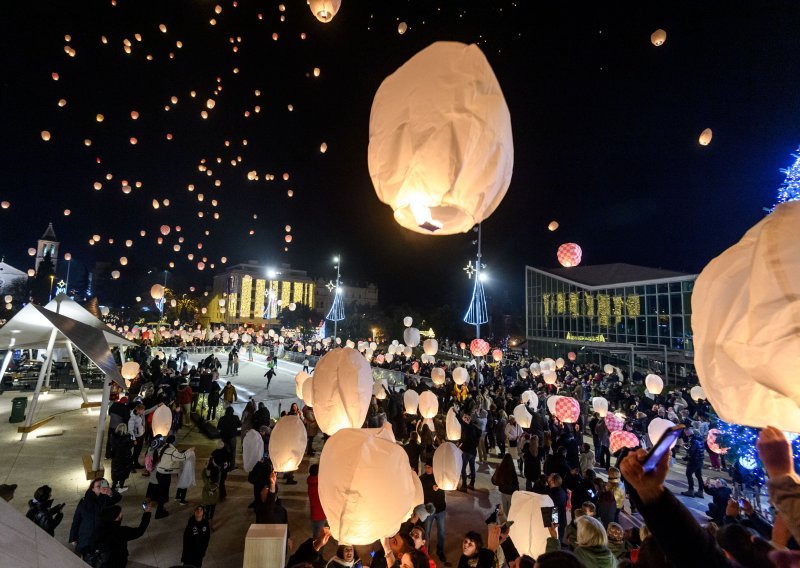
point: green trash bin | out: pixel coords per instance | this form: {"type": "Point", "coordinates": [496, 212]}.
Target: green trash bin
{"type": "Point", "coordinates": [18, 405]}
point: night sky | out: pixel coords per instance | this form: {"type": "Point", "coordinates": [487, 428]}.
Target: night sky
{"type": "Point", "coordinates": [605, 134]}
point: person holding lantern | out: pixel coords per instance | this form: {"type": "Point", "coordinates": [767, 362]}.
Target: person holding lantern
{"type": "Point", "coordinates": [470, 437]}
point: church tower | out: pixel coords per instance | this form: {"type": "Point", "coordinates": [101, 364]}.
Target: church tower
{"type": "Point", "coordinates": [48, 245]}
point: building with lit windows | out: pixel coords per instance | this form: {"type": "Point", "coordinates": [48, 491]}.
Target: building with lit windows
{"type": "Point", "coordinates": [617, 313]}
{"type": "Point", "coordinates": [252, 293]}
{"type": "Point", "coordinates": [351, 295]}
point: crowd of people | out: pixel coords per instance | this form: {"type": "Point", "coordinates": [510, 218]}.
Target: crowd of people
{"type": "Point", "coordinates": [547, 456]}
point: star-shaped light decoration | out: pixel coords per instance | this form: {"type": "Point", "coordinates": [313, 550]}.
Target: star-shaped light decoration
{"type": "Point", "coordinates": [330, 286]}
{"type": "Point", "coordinates": [469, 269]}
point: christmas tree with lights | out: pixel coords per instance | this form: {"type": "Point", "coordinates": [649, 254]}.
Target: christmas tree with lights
{"type": "Point", "coordinates": [790, 189]}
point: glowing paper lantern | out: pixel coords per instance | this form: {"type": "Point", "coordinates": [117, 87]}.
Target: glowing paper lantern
{"type": "Point", "coordinates": [428, 404]}
{"type": "Point", "coordinates": [165, 230]}
{"type": "Point", "coordinates": [460, 375]}
{"type": "Point", "coordinates": [530, 398]}
{"type": "Point", "coordinates": [430, 346]}
{"type": "Point", "coordinates": [560, 363]}
{"type": "Point", "coordinates": [342, 390]}
{"type": "Point", "coordinates": [31, 251]}
{"type": "Point", "coordinates": [479, 347]}
{"type": "Point", "coordinates": [292, 307]}
{"type": "Point", "coordinates": [299, 379]}
{"type": "Point", "coordinates": [447, 462]}
{"type": "Point", "coordinates": [656, 429]}
{"type": "Point", "coordinates": [622, 439]}
{"type": "Point", "coordinates": [523, 373]}
{"type": "Point", "coordinates": [407, 321]}
{"type": "Point", "coordinates": [569, 254]}
{"type": "Point", "coordinates": [411, 336]}
{"type": "Point", "coordinates": [547, 364]}
{"type": "Point", "coordinates": [324, 11]}
{"type": "Point", "coordinates": [162, 420]}
{"type": "Point", "coordinates": [552, 226]}
{"type": "Point", "coordinates": [522, 416]}
{"type": "Point", "coordinates": [353, 471]}
{"type": "Point", "coordinates": [115, 274]}
{"type": "Point", "coordinates": [551, 403]}
{"type": "Point", "coordinates": [156, 291]}
{"type": "Point", "coordinates": [437, 376]}
{"type": "Point", "coordinates": [378, 391]}
{"type": "Point", "coordinates": [705, 137]}
{"type": "Point", "coordinates": [440, 146]}
{"type": "Point", "coordinates": [527, 525]}
{"type": "Point", "coordinates": [568, 409]}
{"type": "Point", "coordinates": [608, 368]}
{"type": "Point", "coordinates": [550, 377]}
{"type": "Point", "coordinates": [497, 354]}
{"type": "Point", "coordinates": [252, 449]}
{"type": "Point", "coordinates": [654, 384]}
{"type": "Point", "coordinates": [614, 422]}
{"type": "Point", "coordinates": [658, 37]}
{"type": "Point", "coordinates": [411, 401]}
{"type": "Point", "coordinates": [402, 28]}
{"type": "Point", "coordinates": [45, 135]}
{"type": "Point", "coordinates": [571, 356]}
{"type": "Point", "coordinates": [697, 393]}
{"type": "Point", "coordinates": [600, 405]}
{"type": "Point", "coordinates": [287, 443]}
{"type": "Point", "coordinates": [452, 426]}
{"type": "Point", "coordinates": [535, 369]}
{"type": "Point", "coordinates": [129, 371]}
{"type": "Point", "coordinates": [711, 440]}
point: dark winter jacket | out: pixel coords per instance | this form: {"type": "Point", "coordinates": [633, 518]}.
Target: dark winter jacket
{"type": "Point", "coordinates": [86, 520]}
{"type": "Point", "coordinates": [431, 496]}
{"type": "Point", "coordinates": [195, 541]}
{"type": "Point", "coordinates": [44, 515]}
{"type": "Point", "coordinates": [113, 541]}
{"type": "Point", "coordinates": [695, 451]}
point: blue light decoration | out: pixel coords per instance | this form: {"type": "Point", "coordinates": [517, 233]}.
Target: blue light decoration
{"type": "Point", "coordinates": [160, 305]}
{"type": "Point", "coordinates": [477, 313]}
{"type": "Point", "coordinates": [790, 189]}
{"type": "Point", "coordinates": [336, 313]}
{"type": "Point", "coordinates": [741, 441]}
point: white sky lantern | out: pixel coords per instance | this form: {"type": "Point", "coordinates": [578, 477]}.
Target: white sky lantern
{"type": "Point", "coordinates": [551, 403]}
{"type": "Point", "coordinates": [410, 401]}
{"type": "Point", "coordinates": [354, 468]}
{"type": "Point", "coordinates": [523, 373]}
{"type": "Point", "coordinates": [522, 416]}
{"type": "Point", "coordinates": [411, 336]}
{"type": "Point", "coordinates": [529, 397]}
{"type": "Point", "coordinates": [287, 443]}
{"type": "Point", "coordinates": [697, 393]}
{"type": "Point", "coordinates": [428, 405]}
{"type": "Point", "coordinates": [430, 346]}
{"type": "Point", "coordinates": [744, 312]}
{"type": "Point", "coordinates": [657, 427]}
{"type": "Point", "coordinates": [447, 462]}
{"type": "Point", "coordinates": [452, 426]}
{"type": "Point", "coordinates": [407, 351]}
{"type": "Point", "coordinates": [608, 368]}
{"type": "Point", "coordinates": [437, 376]}
{"type": "Point", "coordinates": [252, 449]}
{"type": "Point", "coordinates": [600, 406]}
{"type": "Point", "coordinates": [441, 152]}
{"type": "Point", "coordinates": [129, 371]}
{"type": "Point", "coordinates": [654, 384]}
{"type": "Point", "coordinates": [407, 321]}
{"type": "Point", "coordinates": [536, 369]}
{"type": "Point", "coordinates": [115, 274]}
{"type": "Point", "coordinates": [342, 390]}
{"type": "Point", "coordinates": [527, 529]}
{"type": "Point", "coordinates": [324, 10]}
{"type": "Point", "coordinates": [402, 28]}
{"type": "Point", "coordinates": [162, 420]}
{"type": "Point", "coordinates": [378, 391]}
{"type": "Point", "coordinates": [156, 291]}
{"type": "Point", "coordinates": [31, 251]}
{"type": "Point", "coordinates": [550, 377]}
{"type": "Point", "coordinates": [460, 375]}
{"type": "Point", "coordinates": [658, 37]}
{"type": "Point", "coordinates": [560, 363]}
{"type": "Point", "coordinates": [705, 137]}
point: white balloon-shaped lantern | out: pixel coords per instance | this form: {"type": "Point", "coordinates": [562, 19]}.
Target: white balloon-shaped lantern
{"type": "Point", "coordinates": [299, 379]}
{"type": "Point", "coordinates": [407, 321]}
{"type": "Point", "coordinates": [411, 336]}
{"type": "Point", "coordinates": [530, 398]}
{"type": "Point", "coordinates": [697, 393]}
{"type": "Point", "coordinates": [452, 426]}
{"type": "Point", "coordinates": [551, 403]}
{"type": "Point", "coordinates": [355, 466]}
{"type": "Point", "coordinates": [523, 373]}
{"type": "Point", "coordinates": [600, 406]}
{"type": "Point", "coordinates": [342, 390]}
{"type": "Point", "coordinates": [460, 375]}
{"type": "Point", "coordinates": [560, 363]}
{"type": "Point", "coordinates": [156, 291]}
{"type": "Point", "coordinates": [608, 368]}
{"type": "Point", "coordinates": [324, 10]}
{"type": "Point", "coordinates": [252, 449]}
{"type": "Point", "coordinates": [447, 462]}
{"type": "Point", "coordinates": [162, 420]}
{"type": "Point", "coordinates": [654, 384]}
{"type": "Point", "coordinates": [411, 401]}
{"type": "Point", "coordinates": [308, 392]}
{"type": "Point", "coordinates": [656, 429]}
{"type": "Point", "coordinates": [549, 377]}
{"type": "Point", "coordinates": [129, 371]}
{"type": "Point", "coordinates": [522, 416]}
{"type": "Point", "coordinates": [527, 524]}
{"type": "Point", "coordinates": [428, 405]}
{"type": "Point", "coordinates": [440, 145]}
{"type": "Point", "coordinates": [287, 443]}
{"type": "Point", "coordinates": [430, 346]}
{"type": "Point", "coordinates": [437, 376]}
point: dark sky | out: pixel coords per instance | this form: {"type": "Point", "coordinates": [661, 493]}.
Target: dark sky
{"type": "Point", "coordinates": [605, 133]}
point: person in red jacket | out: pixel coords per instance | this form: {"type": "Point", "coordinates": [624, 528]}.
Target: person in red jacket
{"type": "Point", "coordinates": [185, 395]}
{"type": "Point", "coordinates": [318, 520]}
{"type": "Point", "coordinates": [420, 539]}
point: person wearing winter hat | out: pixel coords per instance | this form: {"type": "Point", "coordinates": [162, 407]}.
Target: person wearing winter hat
{"type": "Point", "coordinates": [617, 544]}
{"type": "Point", "coordinates": [41, 511]}
{"type": "Point", "coordinates": [113, 537]}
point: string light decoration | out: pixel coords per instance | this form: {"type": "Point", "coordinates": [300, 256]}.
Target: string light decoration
{"type": "Point", "coordinates": [477, 312]}
{"type": "Point", "coordinates": [546, 306]}
{"type": "Point", "coordinates": [589, 300]}
{"type": "Point", "coordinates": [603, 309]}
{"type": "Point", "coordinates": [258, 303]}
{"type": "Point", "coordinates": [790, 188]}
{"type": "Point", "coordinates": [633, 306]}
{"type": "Point", "coordinates": [336, 313]}
{"type": "Point", "coordinates": [573, 304]}
{"type": "Point", "coordinates": [618, 309]}
{"type": "Point", "coordinates": [561, 303]}
{"type": "Point", "coordinates": [247, 289]}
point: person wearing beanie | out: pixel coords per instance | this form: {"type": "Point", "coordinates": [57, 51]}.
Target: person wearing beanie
{"type": "Point", "coordinates": [113, 537]}
{"type": "Point", "coordinates": [196, 536]}
{"type": "Point", "coordinates": [42, 512]}
{"type": "Point", "coordinates": [617, 544]}
{"type": "Point", "coordinates": [436, 496]}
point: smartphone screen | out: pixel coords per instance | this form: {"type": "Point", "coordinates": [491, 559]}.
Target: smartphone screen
{"type": "Point", "coordinates": [144, 505]}
{"type": "Point", "coordinates": [547, 515]}
{"type": "Point", "coordinates": [662, 446]}
{"type": "Point", "coordinates": [554, 517]}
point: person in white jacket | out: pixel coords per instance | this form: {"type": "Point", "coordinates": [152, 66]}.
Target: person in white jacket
{"type": "Point", "coordinates": [170, 461]}
{"type": "Point", "coordinates": [186, 477]}
{"type": "Point", "coordinates": [136, 429]}
{"type": "Point", "coordinates": [513, 432]}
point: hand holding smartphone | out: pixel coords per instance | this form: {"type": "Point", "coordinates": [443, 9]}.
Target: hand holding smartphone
{"type": "Point", "coordinates": [661, 447]}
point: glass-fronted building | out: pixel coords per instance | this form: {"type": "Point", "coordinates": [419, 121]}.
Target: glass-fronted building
{"type": "Point", "coordinates": [612, 311]}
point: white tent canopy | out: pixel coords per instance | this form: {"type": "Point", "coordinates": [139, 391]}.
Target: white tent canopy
{"type": "Point", "coordinates": [66, 306]}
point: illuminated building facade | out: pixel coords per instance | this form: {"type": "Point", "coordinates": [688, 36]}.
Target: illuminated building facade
{"type": "Point", "coordinates": [619, 310]}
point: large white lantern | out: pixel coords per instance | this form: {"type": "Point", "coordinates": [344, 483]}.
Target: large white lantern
{"type": "Point", "coordinates": [527, 525]}
{"type": "Point", "coordinates": [523, 373]}
{"type": "Point", "coordinates": [600, 406]}
{"type": "Point", "coordinates": [287, 443]}
{"type": "Point", "coordinates": [342, 390]}
{"type": "Point", "coordinates": [437, 375]}
{"type": "Point", "coordinates": [129, 371]}
{"type": "Point", "coordinates": [460, 375]}
{"type": "Point", "coordinates": [411, 336]}
{"type": "Point", "coordinates": [411, 401]}
{"type": "Point", "coordinates": [162, 420]}
{"type": "Point", "coordinates": [428, 404]}
{"type": "Point", "coordinates": [156, 291]}
{"type": "Point", "coordinates": [308, 392]}
{"type": "Point", "coordinates": [697, 393]}
{"type": "Point", "coordinates": [658, 37]}
{"type": "Point", "coordinates": [252, 449]}
{"type": "Point", "coordinates": [407, 351]}
{"type": "Point", "coordinates": [530, 398]}
{"type": "Point", "coordinates": [378, 391]}
{"type": "Point", "coordinates": [560, 363]}
{"type": "Point", "coordinates": [551, 403]}
{"type": "Point", "coordinates": [430, 346]}
{"type": "Point", "coordinates": [656, 429]}
{"type": "Point", "coordinates": [440, 146]}
{"type": "Point", "coordinates": [354, 468]}
{"type": "Point", "coordinates": [550, 377]}
{"type": "Point", "coordinates": [447, 462]}
{"type": "Point", "coordinates": [536, 370]}
{"type": "Point", "coordinates": [608, 368]}
{"type": "Point", "coordinates": [522, 416]}
{"type": "Point", "coordinates": [407, 321]}
{"type": "Point", "coordinates": [324, 10]}
{"type": "Point", "coordinates": [654, 384]}
{"type": "Point", "coordinates": [452, 426]}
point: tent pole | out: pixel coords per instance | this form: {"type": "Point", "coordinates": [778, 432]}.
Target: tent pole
{"type": "Point", "coordinates": [45, 365]}
{"type": "Point", "coordinates": [6, 362]}
{"type": "Point", "coordinates": [76, 370]}
{"type": "Point", "coordinates": [47, 376]}
{"type": "Point", "coordinates": [101, 425]}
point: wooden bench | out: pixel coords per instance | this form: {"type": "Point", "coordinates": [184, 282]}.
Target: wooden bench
{"type": "Point", "coordinates": [34, 426]}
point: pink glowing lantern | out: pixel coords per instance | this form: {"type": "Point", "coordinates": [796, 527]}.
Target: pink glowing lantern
{"type": "Point", "coordinates": [569, 254]}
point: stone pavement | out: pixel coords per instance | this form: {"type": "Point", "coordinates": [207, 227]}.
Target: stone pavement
{"type": "Point", "coordinates": [52, 455]}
